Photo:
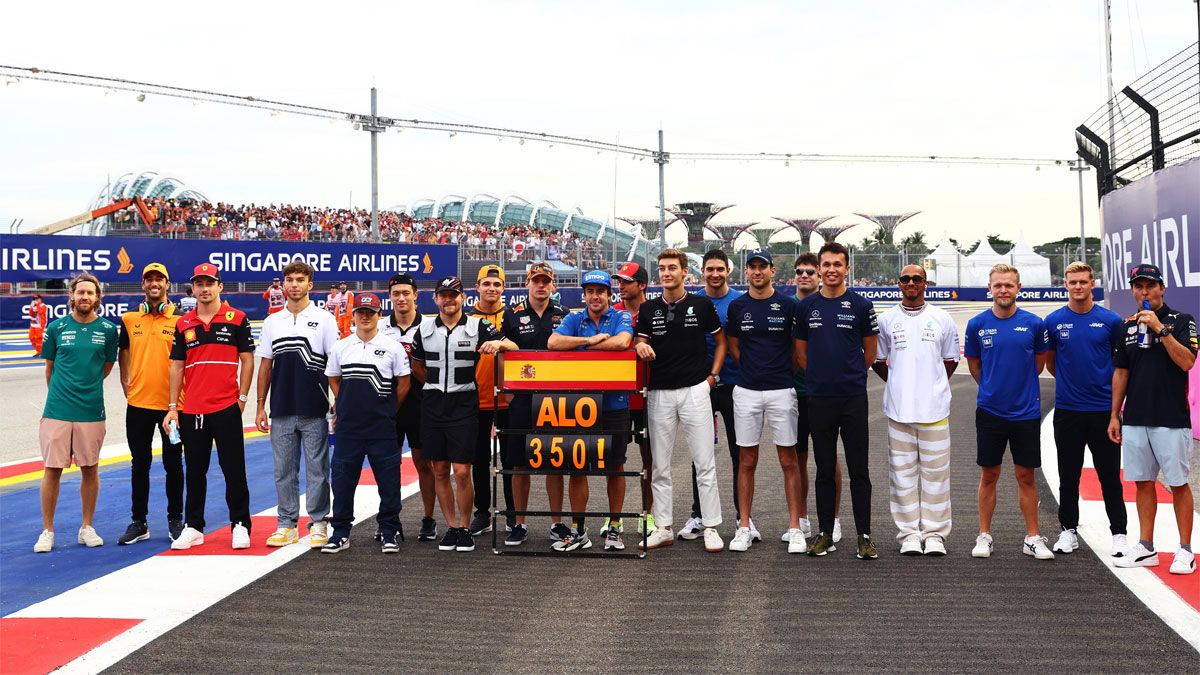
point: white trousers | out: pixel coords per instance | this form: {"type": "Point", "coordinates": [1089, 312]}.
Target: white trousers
{"type": "Point", "coordinates": [687, 410]}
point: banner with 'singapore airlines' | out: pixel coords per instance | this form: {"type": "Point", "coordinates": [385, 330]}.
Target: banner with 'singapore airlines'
{"type": "Point", "coordinates": [33, 257]}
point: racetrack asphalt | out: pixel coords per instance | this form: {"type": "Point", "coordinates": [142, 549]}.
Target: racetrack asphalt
{"type": "Point", "coordinates": [684, 610]}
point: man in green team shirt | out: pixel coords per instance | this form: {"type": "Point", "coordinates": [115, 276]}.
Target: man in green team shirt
{"type": "Point", "coordinates": [80, 350]}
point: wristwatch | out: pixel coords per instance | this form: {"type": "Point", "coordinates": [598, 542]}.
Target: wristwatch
{"type": "Point", "coordinates": [242, 398]}
{"type": "Point", "coordinates": [716, 377]}
{"type": "Point", "coordinates": [1163, 332]}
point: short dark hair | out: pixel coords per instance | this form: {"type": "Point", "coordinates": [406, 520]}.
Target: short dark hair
{"type": "Point", "coordinates": [717, 254]}
{"type": "Point", "coordinates": [809, 258]}
{"type": "Point", "coordinates": [298, 267]}
{"type": "Point", "coordinates": [836, 249]}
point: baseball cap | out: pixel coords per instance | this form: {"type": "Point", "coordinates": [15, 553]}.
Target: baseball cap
{"type": "Point", "coordinates": [540, 269]}
{"type": "Point", "coordinates": [274, 278]}
{"type": "Point", "coordinates": [490, 271]}
{"type": "Point", "coordinates": [596, 278]}
{"type": "Point", "coordinates": [449, 284]}
{"type": "Point", "coordinates": [366, 301]}
{"type": "Point", "coordinates": [759, 254]}
{"type": "Point", "coordinates": [632, 271]}
{"type": "Point", "coordinates": [156, 267]}
{"type": "Point", "coordinates": [206, 270]}
{"type": "Point", "coordinates": [402, 278]}
{"type": "Point", "coordinates": [1146, 271]}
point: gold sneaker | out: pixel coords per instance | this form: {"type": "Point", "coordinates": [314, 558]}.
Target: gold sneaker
{"type": "Point", "coordinates": [283, 536]}
{"type": "Point", "coordinates": [318, 534]}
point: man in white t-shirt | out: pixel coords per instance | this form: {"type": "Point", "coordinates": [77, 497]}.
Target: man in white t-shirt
{"type": "Point", "coordinates": [918, 351]}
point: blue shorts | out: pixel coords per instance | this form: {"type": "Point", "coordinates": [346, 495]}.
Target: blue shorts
{"type": "Point", "coordinates": [1145, 450]}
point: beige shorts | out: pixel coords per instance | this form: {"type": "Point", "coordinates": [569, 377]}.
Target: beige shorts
{"type": "Point", "coordinates": [60, 440]}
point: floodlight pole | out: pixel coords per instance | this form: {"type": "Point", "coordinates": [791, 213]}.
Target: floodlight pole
{"type": "Point", "coordinates": [1079, 168]}
{"type": "Point", "coordinates": [374, 128]}
{"type": "Point", "coordinates": [661, 159]}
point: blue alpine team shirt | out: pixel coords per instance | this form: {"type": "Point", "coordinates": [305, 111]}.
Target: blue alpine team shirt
{"type": "Point", "coordinates": [1005, 348]}
{"type": "Point", "coordinates": [612, 322]}
{"type": "Point", "coordinates": [763, 329]}
{"type": "Point", "coordinates": [834, 329]}
{"type": "Point", "coordinates": [730, 373]}
{"type": "Point", "coordinates": [1083, 346]}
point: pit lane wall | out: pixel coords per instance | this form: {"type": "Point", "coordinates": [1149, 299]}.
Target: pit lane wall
{"type": "Point", "coordinates": [1157, 220]}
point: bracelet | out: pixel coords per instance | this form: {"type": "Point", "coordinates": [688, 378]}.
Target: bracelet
{"type": "Point", "coordinates": [242, 398]}
{"type": "Point", "coordinates": [172, 406]}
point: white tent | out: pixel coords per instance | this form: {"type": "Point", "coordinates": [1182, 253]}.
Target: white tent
{"type": "Point", "coordinates": [979, 264]}
{"type": "Point", "coordinates": [1034, 268]}
{"type": "Point", "coordinates": [944, 263]}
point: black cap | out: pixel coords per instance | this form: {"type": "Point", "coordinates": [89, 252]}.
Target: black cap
{"type": "Point", "coordinates": [449, 284]}
{"type": "Point", "coordinates": [1145, 271]}
{"type": "Point", "coordinates": [402, 278]}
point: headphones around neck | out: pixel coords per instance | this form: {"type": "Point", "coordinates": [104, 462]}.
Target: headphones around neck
{"type": "Point", "coordinates": [147, 308]}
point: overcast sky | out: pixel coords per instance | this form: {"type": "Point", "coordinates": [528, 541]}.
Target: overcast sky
{"type": "Point", "coordinates": [958, 77]}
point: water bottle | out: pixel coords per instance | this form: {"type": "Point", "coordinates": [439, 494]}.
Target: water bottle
{"type": "Point", "coordinates": [173, 436]}
{"type": "Point", "coordinates": [1144, 337]}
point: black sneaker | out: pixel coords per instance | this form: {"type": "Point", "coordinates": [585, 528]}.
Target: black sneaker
{"type": "Point", "coordinates": [480, 525]}
{"type": "Point", "coordinates": [137, 531]}
{"type": "Point", "coordinates": [822, 545]}
{"type": "Point", "coordinates": [428, 530]}
{"type": "Point", "coordinates": [559, 531]}
{"type": "Point", "coordinates": [576, 541]}
{"type": "Point", "coordinates": [336, 544]}
{"type": "Point", "coordinates": [517, 536]}
{"type": "Point", "coordinates": [378, 536]}
{"type": "Point", "coordinates": [465, 541]}
{"type": "Point", "coordinates": [389, 543]}
{"type": "Point", "coordinates": [174, 528]}
{"type": "Point", "coordinates": [450, 541]}
{"type": "Point", "coordinates": [866, 548]}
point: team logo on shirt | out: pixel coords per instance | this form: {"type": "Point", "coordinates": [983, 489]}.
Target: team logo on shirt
{"type": "Point", "coordinates": [776, 306]}
{"type": "Point", "coordinates": [528, 372]}
{"type": "Point", "coordinates": [1021, 329]}
{"type": "Point", "coordinates": [190, 334]}
{"type": "Point", "coordinates": [1096, 325]}
{"type": "Point", "coordinates": [845, 304]}
{"type": "Point", "coordinates": [313, 324]}
{"type": "Point", "coordinates": [380, 352]}
{"type": "Point", "coordinates": [229, 316]}
{"type": "Point", "coordinates": [525, 319]}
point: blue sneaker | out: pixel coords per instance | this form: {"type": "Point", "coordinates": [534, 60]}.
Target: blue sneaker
{"type": "Point", "coordinates": [389, 543]}
{"type": "Point", "coordinates": [517, 536]}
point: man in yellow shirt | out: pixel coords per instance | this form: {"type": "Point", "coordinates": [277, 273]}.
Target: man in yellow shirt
{"type": "Point", "coordinates": [144, 357]}
{"type": "Point", "coordinates": [490, 285]}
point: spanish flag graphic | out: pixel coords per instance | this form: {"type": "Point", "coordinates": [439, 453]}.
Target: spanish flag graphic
{"type": "Point", "coordinates": [587, 371]}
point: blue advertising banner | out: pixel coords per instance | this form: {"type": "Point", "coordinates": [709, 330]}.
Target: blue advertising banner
{"type": "Point", "coordinates": [1157, 220]}
{"type": "Point", "coordinates": [32, 257]}
{"type": "Point", "coordinates": [14, 314]}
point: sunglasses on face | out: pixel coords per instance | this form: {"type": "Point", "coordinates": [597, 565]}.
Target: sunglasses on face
{"type": "Point", "coordinates": [805, 272]}
{"type": "Point", "coordinates": [916, 279]}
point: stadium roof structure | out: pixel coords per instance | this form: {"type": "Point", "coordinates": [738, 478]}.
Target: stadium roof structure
{"type": "Point", "coordinates": [697, 216]}
{"type": "Point", "coordinates": [804, 226]}
{"type": "Point", "coordinates": [832, 232]}
{"type": "Point", "coordinates": [889, 222]}
{"type": "Point", "coordinates": [145, 184]}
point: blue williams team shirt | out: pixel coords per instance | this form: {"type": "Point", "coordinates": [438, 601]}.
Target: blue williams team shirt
{"type": "Point", "coordinates": [834, 329]}
{"type": "Point", "coordinates": [763, 329]}
{"type": "Point", "coordinates": [1005, 348]}
{"type": "Point", "coordinates": [730, 372]}
{"type": "Point", "coordinates": [612, 322]}
{"type": "Point", "coordinates": [1083, 346]}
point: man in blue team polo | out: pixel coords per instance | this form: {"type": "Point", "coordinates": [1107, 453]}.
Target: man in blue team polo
{"type": "Point", "coordinates": [599, 328]}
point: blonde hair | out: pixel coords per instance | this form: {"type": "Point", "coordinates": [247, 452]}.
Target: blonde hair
{"type": "Point", "coordinates": [1079, 266]}
{"type": "Point", "coordinates": [1004, 268]}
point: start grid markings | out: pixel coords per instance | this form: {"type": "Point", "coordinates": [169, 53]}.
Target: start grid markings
{"type": "Point", "coordinates": [87, 623]}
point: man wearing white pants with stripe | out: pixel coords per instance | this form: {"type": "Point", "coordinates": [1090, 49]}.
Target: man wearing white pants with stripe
{"type": "Point", "coordinates": [670, 333]}
{"type": "Point", "coordinates": [918, 351]}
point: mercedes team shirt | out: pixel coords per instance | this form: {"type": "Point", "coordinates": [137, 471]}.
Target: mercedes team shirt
{"type": "Point", "coordinates": [676, 331]}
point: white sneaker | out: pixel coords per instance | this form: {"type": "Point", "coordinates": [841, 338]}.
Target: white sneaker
{"type": "Point", "coordinates": [1035, 545]}
{"type": "Point", "coordinates": [754, 535]}
{"type": "Point", "coordinates": [806, 527]}
{"type": "Point", "coordinates": [188, 538]}
{"type": "Point", "coordinates": [1137, 556]}
{"type": "Point", "coordinates": [837, 530]}
{"type": "Point", "coordinates": [1067, 542]}
{"type": "Point", "coordinates": [935, 545]}
{"type": "Point", "coordinates": [692, 529]}
{"type": "Point", "coordinates": [658, 538]}
{"type": "Point", "coordinates": [796, 541]}
{"type": "Point", "coordinates": [88, 537]}
{"type": "Point", "coordinates": [983, 546]}
{"type": "Point", "coordinates": [911, 545]}
{"type": "Point", "coordinates": [713, 543]}
{"type": "Point", "coordinates": [1120, 544]}
{"type": "Point", "coordinates": [1185, 562]}
{"type": "Point", "coordinates": [318, 534]}
{"type": "Point", "coordinates": [241, 537]}
{"type": "Point", "coordinates": [742, 539]}
{"type": "Point", "coordinates": [45, 542]}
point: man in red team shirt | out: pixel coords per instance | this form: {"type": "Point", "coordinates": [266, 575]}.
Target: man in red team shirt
{"type": "Point", "coordinates": [212, 343]}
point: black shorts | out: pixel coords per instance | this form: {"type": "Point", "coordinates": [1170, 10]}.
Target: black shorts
{"type": "Point", "coordinates": [408, 427]}
{"type": "Point", "coordinates": [993, 433]}
{"type": "Point", "coordinates": [449, 442]}
{"type": "Point", "coordinates": [616, 422]}
{"type": "Point", "coordinates": [520, 416]}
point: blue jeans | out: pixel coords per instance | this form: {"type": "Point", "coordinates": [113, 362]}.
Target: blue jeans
{"type": "Point", "coordinates": [287, 435]}
{"type": "Point", "coordinates": [348, 454]}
